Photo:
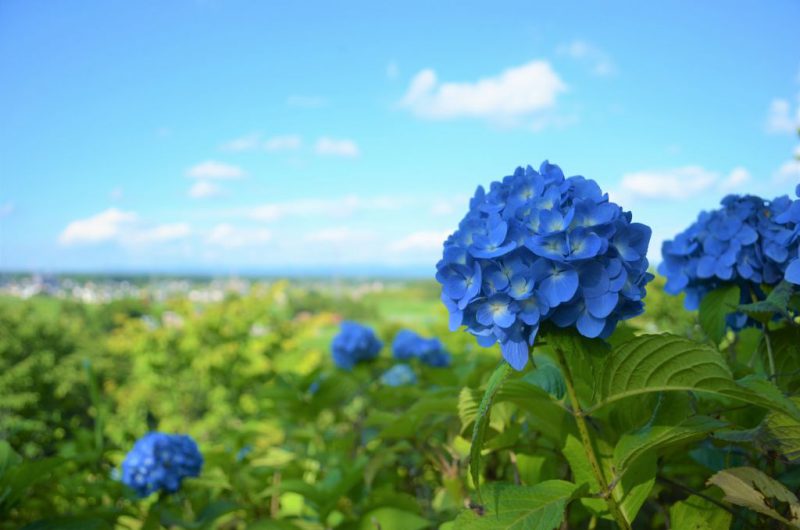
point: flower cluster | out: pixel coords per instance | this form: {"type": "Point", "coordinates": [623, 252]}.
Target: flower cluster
{"type": "Point", "coordinates": [541, 247]}
{"type": "Point", "coordinates": [399, 375]}
{"type": "Point", "coordinates": [354, 343]}
{"type": "Point", "coordinates": [749, 241]}
{"type": "Point", "coordinates": [408, 345]}
{"type": "Point", "coordinates": [160, 462]}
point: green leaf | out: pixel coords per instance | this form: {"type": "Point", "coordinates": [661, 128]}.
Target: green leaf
{"type": "Point", "coordinates": [482, 421]}
{"type": "Point", "coordinates": [714, 307]}
{"type": "Point", "coordinates": [392, 519]}
{"type": "Point", "coordinates": [272, 524]}
{"type": "Point", "coordinates": [668, 363]}
{"type": "Point", "coordinates": [547, 376]}
{"type": "Point", "coordinates": [655, 438]}
{"type": "Point", "coordinates": [777, 302]}
{"type": "Point", "coordinates": [509, 507]}
{"type": "Point", "coordinates": [783, 432]}
{"type": "Point", "coordinates": [752, 488]}
{"type": "Point", "coordinates": [697, 513]}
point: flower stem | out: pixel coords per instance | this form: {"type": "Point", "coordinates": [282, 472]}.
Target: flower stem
{"type": "Point", "coordinates": [588, 447]}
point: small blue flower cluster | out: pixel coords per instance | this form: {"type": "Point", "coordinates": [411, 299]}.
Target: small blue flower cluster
{"type": "Point", "coordinates": [749, 241]}
{"type": "Point", "coordinates": [408, 345]}
{"type": "Point", "coordinates": [399, 375]}
{"type": "Point", "coordinates": [161, 461]}
{"type": "Point", "coordinates": [354, 344]}
{"type": "Point", "coordinates": [541, 247]}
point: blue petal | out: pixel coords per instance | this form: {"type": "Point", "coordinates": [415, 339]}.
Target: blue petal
{"type": "Point", "coordinates": [516, 353]}
{"type": "Point", "coordinates": [792, 274]}
{"type": "Point", "coordinates": [589, 326]}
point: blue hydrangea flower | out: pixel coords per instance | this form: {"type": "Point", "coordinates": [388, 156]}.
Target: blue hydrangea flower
{"type": "Point", "coordinates": [354, 344]}
{"type": "Point", "coordinates": [540, 247]}
{"type": "Point", "coordinates": [408, 345]}
{"type": "Point", "coordinates": [399, 375]}
{"type": "Point", "coordinates": [749, 241]}
{"type": "Point", "coordinates": [160, 462]}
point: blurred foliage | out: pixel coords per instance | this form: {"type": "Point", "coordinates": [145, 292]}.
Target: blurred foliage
{"type": "Point", "coordinates": [292, 443]}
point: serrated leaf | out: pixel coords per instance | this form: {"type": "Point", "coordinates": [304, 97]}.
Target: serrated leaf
{"type": "Point", "coordinates": [783, 432]}
{"type": "Point", "coordinates": [655, 438]}
{"type": "Point", "coordinates": [714, 307]}
{"type": "Point", "coordinates": [697, 513]}
{"type": "Point", "coordinates": [547, 376]}
{"type": "Point", "coordinates": [777, 302]}
{"type": "Point", "coordinates": [668, 363]}
{"type": "Point", "coordinates": [482, 421]}
{"type": "Point", "coordinates": [509, 507]}
{"type": "Point", "coordinates": [752, 488]}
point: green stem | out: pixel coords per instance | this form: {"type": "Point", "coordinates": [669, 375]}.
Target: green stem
{"type": "Point", "coordinates": [769, 354]}
{"type": "Point", "coordinates": [588, 447]}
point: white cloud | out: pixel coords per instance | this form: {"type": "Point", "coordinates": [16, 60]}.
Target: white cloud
{"type": "Point", "coordinates": [215, 170]}
{"type": "Point", "coordinates": [780, 117]}
{"type": "Point", "coordinates": [676, 184]}
{"type": "Point", "coordinates": [340, 234]}
{"type": "Point", "coordinates": [229, 236]}
{"type": "Point", "coordinates": [161, 233]}
{"type": "Point", "coordinates": [336, 147]}
{"type": "Point", "coordinates": [116, 194]}
{"type": "Point", "coordinates": [735, 179]}
{"type": "Point", "coordinates": [514, 93]}
{"type": "Point", "coordinates": [788, 173]}
{"type": "Point", "coordinates": [324, 208]}
{"type": "Point", "coordinates": [243, 143]}
{"type": "Point", "coordinates": [579, 50]}
{"type": "Point", "coordinates": [289, 142]}
{"type": "Point", "coordinates": [204, 189]}
{"type": "Point", "coordinates": [308, 102]}
{"type": "Point", "coordinates": [426, 240]}
{"type": "Point", "coordinates": [104, 226]}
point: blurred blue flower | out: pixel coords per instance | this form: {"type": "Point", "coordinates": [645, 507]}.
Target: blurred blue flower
{"type": "Point", "coordinates": [749, 241]}
{"type": "Point", "coordinates": [160, 462]}
{"type": "Point", "coordinates": [399, 375]}
{"type": "Point", "coordinates": [355, 343]}
{"type": "Point", "coordinates": [539, 247]}
{"type": "Point", "coordinates": [408, 345]}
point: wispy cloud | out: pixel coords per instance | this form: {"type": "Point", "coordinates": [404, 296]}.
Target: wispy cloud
{"type": "Point", "coordinates": [287, 142]}
{"type": "Point", "coordinates": [788, 173]}
{"type": "Point", "coordinates": [324, 208]}
{"type": "Point", "coordinates": [229, 236]}
{"type": "Point", "coordinates": [336, 147]}
{"type": "Point", "coordinates": [427, 241]}
{"type": "Point", "coordinates": [676, 183]}
{"type": "Point", "coordinates": [122, 227]}
{"type": "Point", "coordinates": [515, 93]}
{"type": "Point", "coordinates": [212, 170]}
{"type": "Point", "coordinates": [781, 118]}
{"type": "Point", "coordinates": [341, 235]}
{"type": "Point", "coordinates": [204, 189]}
{"type": "Point", "coordinates": [104, 226]}
{"type": "Point", "coordinates": [247, 142]}
{"type": "Point", "coordinates": [598, 60]}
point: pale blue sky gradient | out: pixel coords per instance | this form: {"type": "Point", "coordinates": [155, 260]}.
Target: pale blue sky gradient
{"type": "Point", "coordinates": [230, 136]}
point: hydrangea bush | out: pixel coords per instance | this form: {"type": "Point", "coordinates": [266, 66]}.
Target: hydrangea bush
{"type": "Point", "coordinates": [540, 247]}
{"type": "Point", "coordinates": [409, 345]}
{"type": "Point", "coordinates": [749, 241]}
{"type": "Point", "coordinates": [160, 462]}
{"type": "Point", "coordinates": [399, 375]}
{"type": "Point", "coordinates": [355, 343]}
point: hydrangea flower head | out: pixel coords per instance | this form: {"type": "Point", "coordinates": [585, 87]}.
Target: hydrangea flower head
{"type": "Point", "coordinates": [540, 247]}
{"type": "Point", "coordinates": [399, 375]}
{"type": "Point", "coordinates": [160, 462]}
{"type": "Point", "coordinates": [355, 343]}
{"type": "Point", "coordinates": [749, 242]}
{"type": "Point", "coordinates": [408, 345]}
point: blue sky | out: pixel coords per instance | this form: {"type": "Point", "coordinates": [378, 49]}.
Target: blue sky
{"type": "Point", "coordinates": [252, 136]}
